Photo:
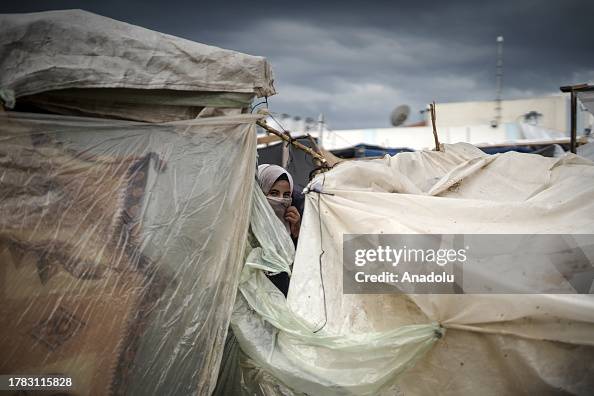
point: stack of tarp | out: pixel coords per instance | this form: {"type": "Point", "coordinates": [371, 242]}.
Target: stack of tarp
{"type": "Point", "coordinates": [121, 242]}
{"type": "Point", "coordinates": [321, 341]}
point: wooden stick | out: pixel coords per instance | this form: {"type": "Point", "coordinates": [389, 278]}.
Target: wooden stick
{"type": "Point", "coordinates": [268, 139]}
{"type": "Point", "coordinates": [314, 144]}
{"type": "Point", "coordinates": [432, 108]}
{"type": "Point", "coordinates": [295, 143]}
{"type": "Point", "coordinates": [317, 149]}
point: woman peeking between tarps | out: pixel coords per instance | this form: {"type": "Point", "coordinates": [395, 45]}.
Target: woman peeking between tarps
{"type": "Point", "coordinates": [277, 185]}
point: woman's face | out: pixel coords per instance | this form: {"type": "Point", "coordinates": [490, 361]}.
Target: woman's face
{"type": "Point", "coordinates": [280, 189]}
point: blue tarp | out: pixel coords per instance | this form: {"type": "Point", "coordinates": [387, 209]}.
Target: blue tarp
{"type": "Point", "coordinates": [366, 150]}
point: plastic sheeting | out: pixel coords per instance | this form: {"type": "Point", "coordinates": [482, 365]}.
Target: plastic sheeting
{"type": "Point", "coordinates": [147, 105]}
{"type": "Point", "coordinates": [55, 50]}
{"type": "Point", "coordinates": [324, 342]}
{"type": "Point", "coordinates": [121, 246]}
{"type": "Point", "coordinates": [277, 344]}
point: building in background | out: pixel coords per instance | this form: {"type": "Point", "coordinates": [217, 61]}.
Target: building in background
{"type": "Point", "coordinates": [550, 112]}
{"type": "Point", "coordinates": [539, 118]}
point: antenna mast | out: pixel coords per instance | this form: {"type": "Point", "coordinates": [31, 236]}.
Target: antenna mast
{"type": "Point", "coordinates": [321, 130]}
{"type": "Point", "coordinates": [499, 78]}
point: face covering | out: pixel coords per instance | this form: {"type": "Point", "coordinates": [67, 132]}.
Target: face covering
{"type": "Point", "coordinates": [280, 205]}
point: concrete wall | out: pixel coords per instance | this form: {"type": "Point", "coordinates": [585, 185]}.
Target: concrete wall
{"type": "Point", "coordinates": [554, 110]}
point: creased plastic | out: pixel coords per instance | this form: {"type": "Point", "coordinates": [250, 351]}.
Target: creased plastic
{"type": "Point", "coordinates": [55, 50]}
{"type": "Point", "coordinates": [494, 344]}
{"type": "Point", "coordinates": [324, 342]}
{"type": "Point", "coordinates": [276, 250]}
{"type": "Point", "coordinates": [121, 247]}
{"type": "Point", "coordinates": [284, 354]}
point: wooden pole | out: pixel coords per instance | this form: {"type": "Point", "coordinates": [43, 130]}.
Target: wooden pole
{"type": "Point", "coordinates": [314, 145]}
{"type": "Point", "coordinates": [295, 143]}
{"type": "Point", "coordinates": [574, 90]}
{"type": "Point", "coordinates": [432, 108]}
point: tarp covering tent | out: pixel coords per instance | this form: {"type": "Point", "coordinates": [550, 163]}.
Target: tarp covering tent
{"type": "Point", "coordinates": [76, 62]}
{"type": "Point", "coordinates": [323, 342]}
{"type": "Point", "coordinates": [121, 242]}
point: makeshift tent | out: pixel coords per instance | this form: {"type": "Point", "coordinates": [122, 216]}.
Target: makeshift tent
{"type": "Point", "coordinates": [121, 243]}
{"type": "Point", "coordinates": [75, 62]}
{"type": "Point", "coordinates": [323, 342]}
{"type": "Point", "coordinates": [121, 248]}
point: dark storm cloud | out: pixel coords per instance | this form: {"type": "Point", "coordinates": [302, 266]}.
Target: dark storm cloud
{"type": "Point", "coordinates": [355, 61]}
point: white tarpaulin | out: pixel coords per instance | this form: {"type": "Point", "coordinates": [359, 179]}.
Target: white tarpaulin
{"type": "Point", "coordinates": [56, 50]}
{"type": "Point", "coordinates": [323, 342]}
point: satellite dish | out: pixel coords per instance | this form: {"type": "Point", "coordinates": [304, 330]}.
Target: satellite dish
{"type": "Point", "coordinates": [399, 115]}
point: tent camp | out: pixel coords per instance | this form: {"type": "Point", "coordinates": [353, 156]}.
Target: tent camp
{"type": "Point", "coordinates": [121, 242]}
{"type": "Point", "coordinates": [321, 341]}
{"type": "Point", "coordinates": [133, 236]}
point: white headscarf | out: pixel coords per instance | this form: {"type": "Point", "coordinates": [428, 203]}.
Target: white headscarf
{"type": "Point", "coordinates": [268, 174]}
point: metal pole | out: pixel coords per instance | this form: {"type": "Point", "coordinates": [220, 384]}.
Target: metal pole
{"type": "Point", "coordinates": [285, 154]}
{"type": "Point", "coordinates": [321, 130]}
{"type": "Point", "coordinates": [499, 77]}
{"type": "Point", "coordinates": [573, 136]}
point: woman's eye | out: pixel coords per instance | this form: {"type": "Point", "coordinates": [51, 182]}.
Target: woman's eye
{"type": "Point", "coordinates": [286, 195]}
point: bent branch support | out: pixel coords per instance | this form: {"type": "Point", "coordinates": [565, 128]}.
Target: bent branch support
{"type": "Point", "coordinates": [287, 138]}
{"type": "Point", "coordinates": [432, 109]}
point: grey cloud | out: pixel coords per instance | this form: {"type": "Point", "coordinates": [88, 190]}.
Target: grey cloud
{"type": "Point", "coordinates": [356, 60]}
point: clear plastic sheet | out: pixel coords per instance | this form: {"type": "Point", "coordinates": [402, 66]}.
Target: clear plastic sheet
{"type": "Point", "coordinates": [121, 246]}
{"type": "Point", "coordinates": [272, 251]}
{"type": "Point", "coordinates": [284, 354]}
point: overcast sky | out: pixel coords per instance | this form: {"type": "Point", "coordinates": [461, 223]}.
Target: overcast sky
{"type": "Point", "coordinates": [355, 61]}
